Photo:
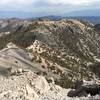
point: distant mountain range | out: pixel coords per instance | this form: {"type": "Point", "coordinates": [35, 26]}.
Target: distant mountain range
{"type": "Point", "coordinates": [20, 14]}
{"type": "Point", "coordinates": [9, 14]}
{"type": "Point", "coordinates": [86, 12]}
{"type": "Point", "coordinates": [92, 15]}
{"type": "Point", "coordinates": [92, 19]}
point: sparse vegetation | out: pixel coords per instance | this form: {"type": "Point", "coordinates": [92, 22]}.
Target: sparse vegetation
{"type": "Point", "coordinates": [78, 40]}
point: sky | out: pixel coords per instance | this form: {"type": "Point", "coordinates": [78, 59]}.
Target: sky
{"type": "Point", "coordinates": [48, 7]}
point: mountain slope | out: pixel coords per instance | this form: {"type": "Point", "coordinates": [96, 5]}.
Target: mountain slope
{"type": "Point", "coordinates": [62, 49]}
{"type": "Point", "coordinates": [14, 57]}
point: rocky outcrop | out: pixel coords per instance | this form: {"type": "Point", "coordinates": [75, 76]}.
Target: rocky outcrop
{"type": "Point", "coordinates": [30, 86]}
{"type": "Point", "coordinates": [14, 57]}
{"type": "Point", "coordinates": [26, 85]}
{"type": "Point", "coordinates": [91, 89]}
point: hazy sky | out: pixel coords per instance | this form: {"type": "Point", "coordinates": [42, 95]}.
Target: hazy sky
{"type": "Point", "coordinates": [48, 6]}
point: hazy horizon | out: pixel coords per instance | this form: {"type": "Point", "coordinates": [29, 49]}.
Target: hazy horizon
{"type": "Point", "coordinates": [38, 8]}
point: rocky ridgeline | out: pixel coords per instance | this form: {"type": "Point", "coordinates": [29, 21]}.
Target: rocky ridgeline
{"type": "Point", "coordinates": [23, 84]}
{"type": "Point", "coordinates": [63, 52]}
{"type": "Point", "coordinates": [71, 45]}
{"type": "Point", "coordinates": [78, 39]}
{"type": "Point", "coordinates": [61, 66]}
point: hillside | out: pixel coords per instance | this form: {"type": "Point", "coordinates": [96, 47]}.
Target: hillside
{"type": "Point", "coordinates": [91, 19]}
{"type": "Point", "coordinates": [64, 51]}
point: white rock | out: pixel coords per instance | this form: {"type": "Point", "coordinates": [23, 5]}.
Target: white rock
{"type": "Point", "coordinates": [31, 93]}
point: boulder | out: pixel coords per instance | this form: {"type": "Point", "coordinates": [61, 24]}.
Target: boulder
{"type": "Point", "coordinates": [85, 90]}
{"type": "Point", "coordinates": [41, 84]}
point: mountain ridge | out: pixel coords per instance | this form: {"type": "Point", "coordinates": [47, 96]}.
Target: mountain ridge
{"type": "Point", "coordinates": [64, 53]}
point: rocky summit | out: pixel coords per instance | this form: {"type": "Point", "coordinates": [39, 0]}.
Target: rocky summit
{"type": "Point", "coordinates": [44, 59]}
